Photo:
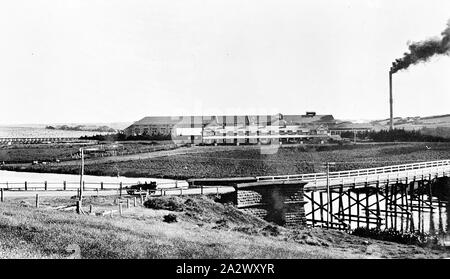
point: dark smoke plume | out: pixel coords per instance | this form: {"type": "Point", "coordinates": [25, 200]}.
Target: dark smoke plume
{"type": "Point", "coordinates": [424, 50]}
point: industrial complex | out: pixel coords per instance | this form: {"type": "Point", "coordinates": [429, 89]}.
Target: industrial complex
{"type": "Point", "coordinates": [243, 129]}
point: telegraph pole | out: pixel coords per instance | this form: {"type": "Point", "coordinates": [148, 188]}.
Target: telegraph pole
{"type": "Point", "coordinates": [328, 192]}
{"type": "Point", "coordinates": [82, 173]}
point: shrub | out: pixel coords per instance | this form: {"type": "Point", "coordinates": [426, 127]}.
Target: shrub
{"type": "Point", "coordinates": [414, 238]}
{"type": "Point", "coordinates": [271, 230]}
{"type": "Point", "coordinates": [166, 204]}
{"type": "Point", "coordinates": [403, 135]}
{"type": "Point", "coordinates": [170, 218]}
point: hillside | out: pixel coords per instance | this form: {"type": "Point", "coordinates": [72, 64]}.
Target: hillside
{"type": "Point", "coordinates": [410, 123]}
{"type": "Point", "coordinates": [204, 229]}
{"type": "Point", "coordinates": [91, 128]}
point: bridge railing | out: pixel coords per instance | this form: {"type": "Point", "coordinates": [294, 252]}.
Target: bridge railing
{"type": "Point", "coordinates": [358, 172]}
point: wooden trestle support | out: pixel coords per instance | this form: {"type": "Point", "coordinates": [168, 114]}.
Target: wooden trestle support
{"type": "Point", "coordinates": [385, 205]}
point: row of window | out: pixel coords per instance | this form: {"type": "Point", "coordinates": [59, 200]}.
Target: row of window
{"type": "Point", "coordinates": [152, 131]}
{"type": "Point", "coordinates": [164, 131]}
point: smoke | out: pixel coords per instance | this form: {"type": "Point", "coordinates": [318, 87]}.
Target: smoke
{"type": "Point", "coordinates": [423, 51]}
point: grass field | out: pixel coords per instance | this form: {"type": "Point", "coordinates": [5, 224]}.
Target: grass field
{"type": "Point", "coordinates": [253, 161]}
{"type": "Point", "coordinates": [205, 229]}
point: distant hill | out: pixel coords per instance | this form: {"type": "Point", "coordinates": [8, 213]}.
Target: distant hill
{"type": "Point", "coordinates": [91, 128]}
{"type": "Point", "coordinates": [437, 125]}
{"type": "Point", "coordinates": [87, 126]}
{"type": "Point", "coordinates": [417, 122]}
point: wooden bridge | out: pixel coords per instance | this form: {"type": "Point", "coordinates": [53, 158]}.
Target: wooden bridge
{"type": "Point", "coordinates": [386, 197]}
{"type": "Point", "coordinates": [363, 177]}
{"type": "Point", "coordinates": [391, 197]}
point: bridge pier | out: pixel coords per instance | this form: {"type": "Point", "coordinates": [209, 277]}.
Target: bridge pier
{"type": "Point", "coordinates": [280, 202]}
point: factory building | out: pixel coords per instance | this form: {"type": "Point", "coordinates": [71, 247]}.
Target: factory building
{"type": "Point", "coordinates": [345, 127]}
{"type": "Point", "coordinates": [235, 129]}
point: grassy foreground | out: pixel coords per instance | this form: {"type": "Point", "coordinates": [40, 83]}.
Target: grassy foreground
{"type": "Point", "coordinates": [204, 229]}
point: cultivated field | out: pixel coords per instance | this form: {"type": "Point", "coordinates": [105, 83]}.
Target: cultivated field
{"type": "Point", "coordinates": [27, 153]}
{"type": "Point", "coordinates": [229, 161]}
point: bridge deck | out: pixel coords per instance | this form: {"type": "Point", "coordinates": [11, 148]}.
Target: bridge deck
{"type": "Point", "coordinates": [370, 176]}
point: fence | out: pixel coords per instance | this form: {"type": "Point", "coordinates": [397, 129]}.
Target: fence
{"type": "Point", "coordinates": [40, 140]}
{"type": "Point", "coordinates": [124, 152]}
{"type": "Point", "coordinates": [177, 187]}
{"type": "Point", "coordinates": [71, 185]}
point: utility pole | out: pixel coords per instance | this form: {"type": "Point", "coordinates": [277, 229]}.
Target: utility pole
{"type": "Point", "coordinates": [328, 192]}
{"type": "Point", "coordinates": [81, 173]}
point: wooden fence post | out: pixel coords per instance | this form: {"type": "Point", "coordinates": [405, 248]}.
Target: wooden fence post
{"type": "Point", "coordinates": [79, 205]}
{"type": "Point", "coordinates": [1, 195]}
{"type": "Point", "coordinates": [64, 185]}
{"type": "Point", "coordinates": [91, 208]}
{"type": "Point", "coordinates": [37, 200]}
{"type": "Point", "coordinates": [26, 186]}
{"type": "Point", "coordinates": [84, 189]}
{"type": "Point", "coordinates": [134, 201]}
{"type": "Point", "coordinates": [142, 199]}
{"type": "Point", "coordinates": [120, 209]}
{"type": "Point", "coordinates": [120, 187]}
{"type": "Point", "coordinates": [201, 189]}
{"type": "Point", "coordinates": [45, 185]}
{"type": "Point", "coordinates": [101, 185]}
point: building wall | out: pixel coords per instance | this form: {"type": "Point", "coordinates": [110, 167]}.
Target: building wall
{"type": "Point", "coordinates": [156, 129]}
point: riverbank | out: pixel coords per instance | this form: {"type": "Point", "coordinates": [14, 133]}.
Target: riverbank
{"type": "Point", "coordinates": [204, 229]}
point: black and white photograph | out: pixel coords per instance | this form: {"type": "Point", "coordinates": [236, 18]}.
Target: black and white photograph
{"type": "Point", "coordinates": [248, 130]}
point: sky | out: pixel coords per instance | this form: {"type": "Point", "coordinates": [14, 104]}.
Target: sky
{"type": "Point", "coordinates": [94, 61]}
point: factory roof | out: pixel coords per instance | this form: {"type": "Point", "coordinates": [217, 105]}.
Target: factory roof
{"type": "Point", "coordinates": [207, 120]}
{"type": "Point", "coordinates": [308, 119]}
{"type": "Point", "coordinates": [158, 120]}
